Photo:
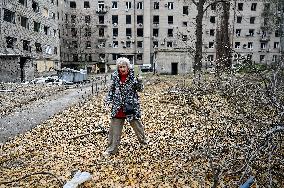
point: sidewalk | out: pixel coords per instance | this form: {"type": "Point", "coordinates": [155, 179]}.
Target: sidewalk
{"type": "Point", "coordinates": [41, 110]}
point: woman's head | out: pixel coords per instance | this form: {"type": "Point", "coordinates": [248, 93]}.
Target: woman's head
{"type": "Point", "coordinates": [123, 65]}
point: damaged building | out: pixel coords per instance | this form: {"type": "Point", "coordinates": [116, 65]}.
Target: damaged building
{"type": "Point", "coordinates": [29, 45]}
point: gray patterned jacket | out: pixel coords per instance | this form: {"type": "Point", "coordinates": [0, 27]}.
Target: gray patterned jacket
{"type": "Point", "coordinates": [127, 91]}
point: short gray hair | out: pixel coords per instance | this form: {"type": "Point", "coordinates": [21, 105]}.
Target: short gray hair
{"type": "Point", "coordinates": [123, 60]}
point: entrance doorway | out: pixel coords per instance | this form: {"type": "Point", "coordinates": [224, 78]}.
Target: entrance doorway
{"type": "Point", "coordinates": [22, 65]}
{"type": "Point", "coordinates": [174, 68]}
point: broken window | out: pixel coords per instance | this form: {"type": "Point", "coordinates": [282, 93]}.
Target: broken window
{"type": "Point", "coordinates": [140, 5]}
{"type": "Point", "coordinates": [185, 10]}
{"type": "Point", "coordinates": [212, 32]}
{"type": "Point", "coordinates": [115, 56]}
{"type": "Point", "coordinates": [23, 2]}
{"type": "Point", "coordinates": [262, 58]}
{"type": "Point", "coordinates": [140, 32]}
{"type": "Point", "coordinates": [86, 4]}
{"type": "Point", "coordinates": [88, 32]}
{"type": "Point", "coordinates": [10, 41]}
{"type": "Point", "coordinates": [139, 19]}
{"type": "Point", "coordinates": [211, 45]}
{"type": "Point", "coordinates": [101, 5]}
{"type": "Point", "coordinates": [115, 44]}
{"type": "Point", "coordinates": [88, 19]}
{"type": "Point", "coordinates": [184, 24]}
{"type": "Point", "coordinates": [26, 45]}
{"type": "Point", "coordinates": [253, 7]}
{"type": "Point", "coordinates": [212, 19]}
{"type": "Point", "coordinates": [128, 32]}
{"type": "Point", "coordinates": [114, 5]}
{"type": "Point", "coordinates": [24, 22]}
{"type": "Point", "coordinates": [114, 19]}
{"type": "Point", "coordinates": [9, 16]}
{"type": "Point", "coordinates": [238, 32]}
{"type": "Point", "coordinates": [36, 26]}
{"type": "Point", "coordinates": [155, 44]}
{"type": "Point", "coordinates": [38, 47]}
{"type": "Point", "coordinates": [251, 32]}
{"type": "Point", "coordinates": [46, 30]}
{"type": "Point", "coordinates": [128, 19]}
{"type": "Point", "coordinates": [101, 32]}
{"type": "Point", "coordinates": [35, 6]}
{"type": "Point", "coordinates": [101, 19]}
{"type": "Point", "coordinates": [170, 19]}
{"type": "Point", "coordinates": [72, 4]}
{"type": "Point", "coordinates": [184, 37]}
{"type": "Point", "coordinates": [140, 44]}
{"type": "Point", "coordinates": [170, 5]}
{"type": "Point", "coordinates": [156, 19]}
{"type": "Point", "coordinates": [88, 44]}
{"type": "Point", "coordinates": [115, 32]}
{"type": "Point", "coordinates": [170, 33]}
{"type": "Point", "coordinates": [156, 5]}
{"type": "Point", "coordinates": [237, 45]}
{"type": "Point", "coordinates": [155, 32]}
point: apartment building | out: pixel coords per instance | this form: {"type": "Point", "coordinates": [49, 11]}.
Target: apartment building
{"type": "Point", "coordinates": [29, 42]}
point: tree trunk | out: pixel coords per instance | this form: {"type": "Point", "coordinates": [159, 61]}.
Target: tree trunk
{"type": "Point", "coordinates": [223, 57]}
{"type": "Point", "coordinates": [198, 44]}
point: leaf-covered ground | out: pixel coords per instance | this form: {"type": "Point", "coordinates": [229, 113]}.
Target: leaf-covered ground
{"type": "Point", "coordinates": [193, 136]}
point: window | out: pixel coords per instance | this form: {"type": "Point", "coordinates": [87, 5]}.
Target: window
{"type": "Point", "coordinates": [88, 32]}
{"type": "Point", "coordinates": [139, 56]}
{"type": "Point", "coordinates": [140, 44]}
{"type": "Point", "coordinates": [115, 32]}
{"type": "Point", "coordinates": [9, 16]}
{"type": "Point", "coordinates": [38, 47]}
{"type": "Point", "coordinates": [140, 32]}
{"type": "Point", "coordinates": [239, 19]}
{"type": "Point", "coordinates": [184, 37]}
{"type": "Point", "coordinates": [211, 44]}
{"type": "Point", "coordinates": [73, 18]}
{"type": "Point", "coordinates": [101, 32]}
{"type": "Point", "coordinates": [86, 4]}
{"type": "Point", "coordinates": [139, 19]}
{"type": "Point", "coordinates": [101, 19]}
{"type": "Point", "coordinates": [266, 6]}
{"type": "Point", "coordinates": [140, 5]}
{"type": "Point", "coordinates": [46, 30]}
{"type": "Point", "coordinates": [262, 58]}
{"type": "Point", "coordinates": [277, 33]}
{"type": "Point", "coordinates": [240, 6]}
{"type": "Point", "coordinates": [155, 32]}
{"type": "Point", "coordinates": [128, 19]}
{"type": "Point", "coordinates": [128, 44]}
{"type": "Point", "coordinates": [75, 57]}
{"type": "Point", "coordinates": [170, 5]}
{"type": "Point", "coordinates": [88, 44]}
{"type": "Point", "coordinates": [274, 58]}
{"type": "Point", "coordinates": [74, 44]}
{"type": "Point", "coordinates": [72, 4]}
{"type": "Point", "coordinates": [101, 5]}
{"type": "Point", "coordinates": [212, 32]}
{"type": "Point", "coordinates": [276, 45]}
{"type": "Point", "coordinates": [170, 33]}
{"type": "Point", "coordinates": [88, 19]}
{"type": "Point", "coordinates": [251, 32]}
{"type": "Point", "coordinates": [155, 44]}
{"type": "Point", "coordinates": [114, 19]}
{"type": "Point", "coordinates": [251, 20]}
{"type": "Point", "coordinates": [213, 6]}
{"type": "Point", "coordinates": [10, 41]}
{"type": "Point", "coordinates": [212, 19]}
{"type": "Point", "coordinates": [26, 45]}
{"type": "Point", "coordinates": [114, 5]}
{"type": "Point", "coordinates": [185, 10]}
{"type": "Point", "coordinates": [253, 7]}
{"type": "Point", "coordinates": [54, 32]}
{"type": "Point", "coordinates": [184, 24]}
{"type": "Point", "coordinates": [250, 45]}
{"type": "Point", "coordinates": [35, 6]}
{"type": "Point", "coordinates": [74, 32]}
{"type": "Point", "coordinates": [24, 22]}
{"type": "Point", "coordinates": [210, 57]}
{"type": "Point", "coordinates": [263, 45]}
{"type": "Point", "coordinates": [238, 32]}
{"type": "Point", "coordinates": [23, 2]}
{"type": "Point", "coordinates": [115, 44]}
{"type": "Point", "coordinates": [169, 44]}
{"type": "Point", "coordinates": [128, 5]}
{"type": "Point", "coordinates": [36, 26]}
{"type": "Point", "coordinates": [88, 57]}
{"type": "Point", "coordinates": [115, 56]}
{"type": "Point", "coordinates": [170, 19]}
{"type": "Point", "coordinates": [237, 45]}
{"type": "Point", "coordinates": [128, 32]}
{"type": "Point", "coordinates": [155, 19]}
{"type": "Point", "coordinates": [156, 5]}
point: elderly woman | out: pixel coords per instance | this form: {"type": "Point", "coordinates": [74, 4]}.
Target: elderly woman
{"type": "Point", "coordinates": [123, 98]}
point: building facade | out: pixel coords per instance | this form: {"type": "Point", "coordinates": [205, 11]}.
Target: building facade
{"type": "Point", "coordinates": [29, 44]}
{"type": "Point", "coordinates": [40, 34]}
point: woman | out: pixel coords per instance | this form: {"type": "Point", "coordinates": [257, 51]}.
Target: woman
{"type": "Point", "coordinates": [123, 98]}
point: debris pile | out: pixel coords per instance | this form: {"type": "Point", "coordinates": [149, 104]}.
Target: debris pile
{"type": "Point", "coordinates": [197, 138]}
